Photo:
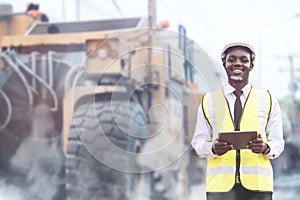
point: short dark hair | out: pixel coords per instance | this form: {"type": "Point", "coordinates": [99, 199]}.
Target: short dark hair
{"type": "Point", "coordinates": [33, 6]}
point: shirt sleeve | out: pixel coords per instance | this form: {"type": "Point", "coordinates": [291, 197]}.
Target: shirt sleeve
{"type": "Point", "coordinates": [202, 139]}
{"type": "Point", "coordinates": [275, 131]}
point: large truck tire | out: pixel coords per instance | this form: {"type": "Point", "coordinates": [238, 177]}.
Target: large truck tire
{"type": "Point", "coordinates": [96, 168]}
{"type": "Point", "coordinates": [17, 114]}
{"type": "Point", "coordinates": [30, 134]}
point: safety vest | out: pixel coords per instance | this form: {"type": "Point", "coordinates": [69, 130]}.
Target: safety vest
{"type": "Point", "coordinates": [255, 169]}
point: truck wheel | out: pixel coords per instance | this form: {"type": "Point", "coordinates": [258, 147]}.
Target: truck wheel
{"type": "Point", "coordinates": [30, 139]}
{"type": "Point", "coordinates": [104, 139]}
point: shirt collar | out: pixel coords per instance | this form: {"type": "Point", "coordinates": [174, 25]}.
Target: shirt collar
{"type": "Point", "coordinates": [228, 89]}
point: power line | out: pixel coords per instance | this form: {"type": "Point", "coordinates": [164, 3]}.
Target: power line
{"type": "Point", "coordinates": [198, 34]}
{"type": "Point", "coordinates": [117, 7]}
{"type": "Point", "coordinates": [197, 15]}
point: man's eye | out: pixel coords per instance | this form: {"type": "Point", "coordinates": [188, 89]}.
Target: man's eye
{"type": "Point", "coordinates": [244, 60]}
{"type": "Point", "coordinates": [231, 59]}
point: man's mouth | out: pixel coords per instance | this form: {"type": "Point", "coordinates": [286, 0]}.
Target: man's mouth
{"type": "Point", "coordinates": [237, 71]}
{"type": "Point", "coordinates": [237, 74]}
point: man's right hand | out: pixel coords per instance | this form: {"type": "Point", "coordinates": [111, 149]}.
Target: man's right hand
{"type": "Point", "coordinates": [219, 148]}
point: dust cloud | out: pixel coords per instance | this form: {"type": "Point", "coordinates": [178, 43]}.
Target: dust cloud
{"type": "Point", "coordinates": [38, 163]}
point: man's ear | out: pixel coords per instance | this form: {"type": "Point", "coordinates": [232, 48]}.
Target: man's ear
{"type": "Point", "coordinates": [223, 62]}
{"type": "Point", "coordinates": [251, 66]}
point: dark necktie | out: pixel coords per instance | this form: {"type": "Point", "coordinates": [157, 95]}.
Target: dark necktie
{"type": "Point", "coordinates": [237, 109]}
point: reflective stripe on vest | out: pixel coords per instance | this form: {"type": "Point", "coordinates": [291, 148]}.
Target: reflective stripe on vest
{"type": "Point", "coordinates": [255, 169]}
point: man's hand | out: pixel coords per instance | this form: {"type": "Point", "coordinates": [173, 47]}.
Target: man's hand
{"type": "Point", "coordinates": [219, 148]}
{"type": "Point", "coordinates": [258, 145]}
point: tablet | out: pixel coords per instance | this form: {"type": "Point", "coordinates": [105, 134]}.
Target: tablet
{"type": "Point", "coordinates": [239, 139]}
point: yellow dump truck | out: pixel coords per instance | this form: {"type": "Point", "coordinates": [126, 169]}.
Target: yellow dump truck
{"type": "Point", "coordinates": [107, 108]}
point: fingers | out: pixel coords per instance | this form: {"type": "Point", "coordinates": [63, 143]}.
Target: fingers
{"type": "Point", "coordinates": [257, 145]}
{"type": "Point", "coordinates": [259, 148]}
{"type": "Point", "coordinates": [221, 148]}
{"type": "Point", "coordinates": [256, 141]}
{"type": "Point", "coordinates": [258, 135]}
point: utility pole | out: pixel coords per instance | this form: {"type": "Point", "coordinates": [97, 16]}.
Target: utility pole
{"type": "Point", "coordinates": [77, 10]}
{"type": "Point", "coordinates": [151, 35]}
{"type": "Point", "coordinates": [260, 40]}
{"type": "Point", "coordinates": [151, 13]}
{"type": "Point", "coordinates": [293, 87]}
{"type": "Point", "coordinates": [63, 8]}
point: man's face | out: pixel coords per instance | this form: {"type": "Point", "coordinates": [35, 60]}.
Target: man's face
{"type": "Point", "coordinates": [238, 64]}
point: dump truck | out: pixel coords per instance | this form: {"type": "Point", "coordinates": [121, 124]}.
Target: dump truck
{"type": "Point", "coordinates": [101, 109]}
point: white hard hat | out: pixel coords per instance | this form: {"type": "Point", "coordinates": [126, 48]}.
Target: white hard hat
{"type": "Point", "coordinates": [238, 44]}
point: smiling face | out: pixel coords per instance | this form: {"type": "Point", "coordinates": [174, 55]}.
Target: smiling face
{"type": "Point", "coordinates": [238, 64]}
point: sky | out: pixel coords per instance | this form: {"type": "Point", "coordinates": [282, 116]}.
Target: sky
{"type": "Point", "coordinates": [270, 26]}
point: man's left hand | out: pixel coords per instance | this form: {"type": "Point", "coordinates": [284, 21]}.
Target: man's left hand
{"type": "Point", "coordinates": [258, 145]}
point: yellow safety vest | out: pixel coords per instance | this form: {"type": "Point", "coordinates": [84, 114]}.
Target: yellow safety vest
{"type": "Point", "coordinates": [255, 169]}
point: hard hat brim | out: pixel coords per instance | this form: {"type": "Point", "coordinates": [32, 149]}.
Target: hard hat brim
{"type": "Point", "coordinates": [238, 44]}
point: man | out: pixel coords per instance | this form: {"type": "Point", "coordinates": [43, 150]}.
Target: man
{"type": "Point", "coordinates": [33, 10]}
{"type": "Point", "coordinates": [239, 174]}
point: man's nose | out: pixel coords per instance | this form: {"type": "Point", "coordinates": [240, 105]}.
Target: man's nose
{"type": "Point", "coordinates": [237, 62]}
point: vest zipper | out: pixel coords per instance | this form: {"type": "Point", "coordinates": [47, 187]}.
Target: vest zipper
{"type": "Point", "coordinates": [238, 164]}
{"type": "Point", "coordinates": [238, 159]}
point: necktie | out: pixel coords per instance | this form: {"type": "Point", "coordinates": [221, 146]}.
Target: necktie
{"type": "Point", "coordinates": [237, 109]}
